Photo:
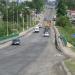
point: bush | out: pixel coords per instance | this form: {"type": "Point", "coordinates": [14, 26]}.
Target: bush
{"type": "Point", "coordinates": [67, 33]}
{"type": "Point", "coordinates": [63, 21]}
{"type": "Point", "coordinates": [61, 8]}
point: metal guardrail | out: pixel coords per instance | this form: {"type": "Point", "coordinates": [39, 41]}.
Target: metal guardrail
{"type": "Point", "coordinates": [59, 40]}
{"type": "Point", "coordinates": [14, 36]}
{"type": "Point", "coordinates": [63, 39]}
{"type": "Point", "coordinates": [8, 38]}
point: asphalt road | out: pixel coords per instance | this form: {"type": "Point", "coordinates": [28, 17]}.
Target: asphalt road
{"type": "Point", "coordinates": [37, 55]}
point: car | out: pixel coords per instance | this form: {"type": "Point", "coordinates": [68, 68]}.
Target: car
{"type": "Point", "coordinates": [54, 18]}
{"type": "Point", "coordinates": [46, 34]}
{"type": "Point", "coordinates": [73, 22]}
{"type": "Point", "coordinates": [16, 41]}
{"type": "Point", "coordinates": [36, 29]}
{"type": "Point", "coordinates": [40, 25]}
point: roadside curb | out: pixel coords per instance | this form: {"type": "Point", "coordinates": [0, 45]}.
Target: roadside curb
{"type": "Point", "coordinates": [9, 42]}
{"type": "Point", "coordinates": [25, 32]}
{"type": "Point", "coordinates": [66, 69]}
{"type": "Point", "coordinates": [5, 44]}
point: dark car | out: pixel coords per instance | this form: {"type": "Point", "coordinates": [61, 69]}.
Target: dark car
{"type": "Point", "coordinates": [54, 19]}
{"type": "Point", "coordinates": [16, 41]}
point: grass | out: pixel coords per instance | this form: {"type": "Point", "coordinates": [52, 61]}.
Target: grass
{"type": "Point", "coordinates": [73, 49]}
{"type": "Point", "coordinates": [70, 65]}
{"type": "Point", "coordinates": [12, 29]}
{"type": "Point", "coordinates": [67, 33]}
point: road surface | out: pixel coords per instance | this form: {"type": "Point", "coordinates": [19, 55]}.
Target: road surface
{"type": "Point", "coordinates": [37, 55]}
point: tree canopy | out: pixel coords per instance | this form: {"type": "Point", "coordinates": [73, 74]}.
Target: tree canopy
{"type": "Point", "coordinates": [61, 8]}
{"type": "Point", "coordinates": [21, 7]}
{"type": "Point", "coordinates": [70, 4]}
{"type": "Point", "coordinates": [38, 4]}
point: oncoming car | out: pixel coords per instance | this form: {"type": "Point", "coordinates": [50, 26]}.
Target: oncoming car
{"type": "Point", "coordinates": [40, 25]}
{"type": "Point", "coordinates": [36, 29]}
{"type": "Point", "coordinates": [16, 41]}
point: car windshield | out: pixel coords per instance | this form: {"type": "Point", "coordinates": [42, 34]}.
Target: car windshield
{"type": "Point", "coordinates": [16, 39]}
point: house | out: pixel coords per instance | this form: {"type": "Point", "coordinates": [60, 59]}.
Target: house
{"type": "Point", "coordinates": [71, 15]}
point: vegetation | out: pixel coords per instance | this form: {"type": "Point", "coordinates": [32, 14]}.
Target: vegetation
{"type": "Point", "coordinates": [70, 4]}
{"type": "Point", "coordinates": [67, 32]}
{"type": "Point", "coordinates": [61, 8]}
{"type": "Point", "coordinates": [63, 21]}
{"type": "Point", "coordinates": [38, 4]}
{"type": "Point", "coordinates": [65, 27]}
{"type": "Point", "coordinates": [71, 65]}
{"type": "Point", "coordinates": [16, 14]}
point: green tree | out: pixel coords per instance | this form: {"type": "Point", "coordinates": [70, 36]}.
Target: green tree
{"type": "Point", "coordinates": [2, 6]}
{"type": "Point", "coordinates": [29, 4]}
{"type": "Point", "coordinates": [70, 4]}
{"type": "Point", "coordinates": [61, 8]}
{"type": "Point", "coordinates": [63, 21]}
{"type": "Point", "coordinates": [12, 12]}
{"type": "Point", "coordinates": [38, 4]}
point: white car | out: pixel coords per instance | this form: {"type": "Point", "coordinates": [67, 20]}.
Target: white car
{"type": "Point", "coordinates": [40, 25]}
{"type": "Point", "coordinates": [36, 29]}
{"type": "Point", "coordinates": [46, 34]}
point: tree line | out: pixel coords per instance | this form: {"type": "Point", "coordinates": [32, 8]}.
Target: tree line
{"type": "Point", "coordinates": [14, 14]}
{"type": "Point", "coordinates": [13, 7]}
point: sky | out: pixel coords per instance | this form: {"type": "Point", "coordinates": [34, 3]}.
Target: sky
{"type": "Point", "coordinates": [51, 0]}
{"type": "Point", "coordinates": [20, 0]}
{"type": "Point", "coordinates": [27, 0]}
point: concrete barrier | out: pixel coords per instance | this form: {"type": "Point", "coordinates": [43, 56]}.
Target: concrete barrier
{"type": "Point", "coordinates": [67, 51]}
{"type": "Point", "coordinates": [5, 44]}
{"type": "Point", "coordinates": [8, 42]}
{"type": "Point", "coordinates": [63, 49]}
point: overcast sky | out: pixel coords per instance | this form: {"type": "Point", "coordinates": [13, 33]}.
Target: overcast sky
{"type": "Point", "coordinates": [20, 0]}
{"type": "Point", "coordinates": [51, 0]}
{"type": "Point", "coordinates": [28, 0]}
